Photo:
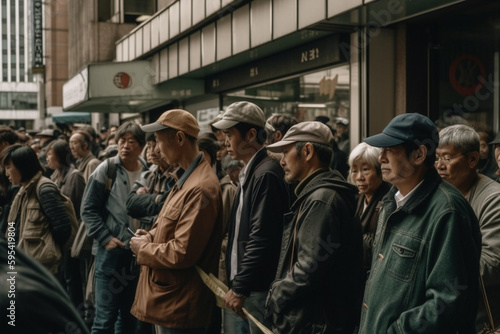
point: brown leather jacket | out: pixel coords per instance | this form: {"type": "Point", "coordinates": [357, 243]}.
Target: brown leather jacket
{"type": "Point", "coordinates": [187, 232]}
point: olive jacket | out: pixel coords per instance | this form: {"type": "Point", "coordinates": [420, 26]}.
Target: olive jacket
{"type": "Point", "coordinates": [425, 267]}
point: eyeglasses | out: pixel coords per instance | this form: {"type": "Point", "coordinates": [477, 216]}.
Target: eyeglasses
{"type": "Point", "coordinates": [446, 161]}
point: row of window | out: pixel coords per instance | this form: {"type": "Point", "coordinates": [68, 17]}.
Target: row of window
{"type": "Point", "coordinates": [15, 73]}
{"type": "Point", "coordinates": [18, 101]}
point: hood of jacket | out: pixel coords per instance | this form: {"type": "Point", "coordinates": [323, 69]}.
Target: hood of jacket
{"type": "Point", "coordinates": [325, 179]}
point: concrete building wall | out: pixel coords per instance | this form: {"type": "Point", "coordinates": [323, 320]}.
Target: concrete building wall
{"type": "Point", "coordinates": [82, 35]}
{"type": "Point", "coordinates": [91, 40]}
{"type": "Point", "coordinates": [56, 50]}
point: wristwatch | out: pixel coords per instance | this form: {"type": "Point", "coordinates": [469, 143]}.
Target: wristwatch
{"type": "Point", "coordinates": [239, 295]}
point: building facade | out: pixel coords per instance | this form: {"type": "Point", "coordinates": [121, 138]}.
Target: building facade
{"type": "Point", "coordinates": [18, 87]}
{"type": "Point", "coordinates": [363, 60]}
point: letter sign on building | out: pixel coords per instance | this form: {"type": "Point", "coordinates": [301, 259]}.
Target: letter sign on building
{"type": "Point", "coordinates": [37, 64]}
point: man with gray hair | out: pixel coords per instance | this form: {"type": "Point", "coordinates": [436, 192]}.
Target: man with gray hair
{"type": "Point", "coordinates": [456, 162]}
{"type": "Point", "coordinates": [318, 281]}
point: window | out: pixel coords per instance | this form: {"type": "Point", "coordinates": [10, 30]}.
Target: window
{"type": "Point", "coordinates": [321, 93]}
{"type": "Point", "coordinates": [18, 100]}
{"type": "Point", "coordinates": [464, 65]}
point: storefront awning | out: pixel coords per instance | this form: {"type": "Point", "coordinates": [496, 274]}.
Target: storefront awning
{"type": "Point", "coordinates": [71, 117]}
{"type": "Point", "coordinates": [123, 87]}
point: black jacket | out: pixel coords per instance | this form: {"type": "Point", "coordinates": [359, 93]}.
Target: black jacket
{"type": "Point", "coordinates": [32, 299]}
{"type": "Point", "coordinates": [5, 202]}
{"type": "Point", "coordinates": [319, 273]}
{"type": "Point", "coordinates": [368, 220]}
{"type": "Point", "coordinates": [266, 199]}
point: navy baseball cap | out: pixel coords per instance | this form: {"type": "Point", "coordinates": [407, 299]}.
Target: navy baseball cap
{"type": "Point", "coordinates": [406, 128]}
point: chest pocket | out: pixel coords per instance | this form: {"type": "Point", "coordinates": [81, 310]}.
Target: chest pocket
{"type": "Point", "coordinates": [168, 220]}
{"type": "Point", "coordinates": [34, 226]}
{"type": "Point", "coordinates": [404, 255]}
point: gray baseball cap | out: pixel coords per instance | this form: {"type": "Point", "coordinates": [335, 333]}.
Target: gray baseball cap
{"type": "Point", "coordinates": [242, 112]}
{"type": "Point", "coordinates": [314, 132]}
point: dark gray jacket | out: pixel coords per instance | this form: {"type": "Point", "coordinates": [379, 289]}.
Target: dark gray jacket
{"type": "Point", "coordinates": [318, 283]}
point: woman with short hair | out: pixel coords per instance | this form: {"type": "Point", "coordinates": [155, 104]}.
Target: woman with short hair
{"type": "Point", "coordinates": [38, 222]}
{"type": "Point", "coordinates": [365, 173]}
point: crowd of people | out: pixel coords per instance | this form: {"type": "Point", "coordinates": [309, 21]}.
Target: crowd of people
{"type": "Point", "coordinates": [300, 233]}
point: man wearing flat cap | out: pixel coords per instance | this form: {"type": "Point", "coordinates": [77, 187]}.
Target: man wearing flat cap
{"type": "Point", "coordinates": [256, 221]}
{"type": "Point", "coordinates": [186, 234]}
{"type": "Point", "coordinates": [425, 267]}
{"type": "Point", "coordinates": [318, 281]}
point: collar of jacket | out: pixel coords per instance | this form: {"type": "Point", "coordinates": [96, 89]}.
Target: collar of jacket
{"type": "Point", "coordinates": [189, 170]}
{"type": "Point", "coordinates": [431, 181]}
{"type": "Point", "coordinates": [25, 189]}
{"type": "Point", "coordinates": [256, 160]}
{"type": "Point", "coordinates": [33, 181]}
{"type": "Point", "coordinates": [329, 178]}
{"type": "Point", "coordinates": [86, 158]}
{"type": "Point", "coordinates": [141, 159]}
{"type": "Point", "coordinates": [302, 184]}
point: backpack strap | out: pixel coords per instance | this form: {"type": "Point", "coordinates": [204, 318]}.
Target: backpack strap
{"type": "Point", "coordinates": [110, 177]}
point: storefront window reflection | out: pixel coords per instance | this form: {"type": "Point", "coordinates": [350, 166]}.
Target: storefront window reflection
{"type": "Point", "coordinates": [466, 69]}
{"type": "Point", "coordinates": [306, 97]}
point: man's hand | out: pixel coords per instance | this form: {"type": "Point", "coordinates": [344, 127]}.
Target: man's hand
{"type": "Point", "coordinates": [137, 242]}
{"type": "Point", "coordinates": [113, 243]}
{"type": "Point", "coordinates": [142, 190]}
{"type": "Point", "coordinates": [234, 303]}
{"type": "Point", "coordinates": [140, 232]}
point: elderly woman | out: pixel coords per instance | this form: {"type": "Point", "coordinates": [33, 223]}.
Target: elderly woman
{"type": "Point", "coordinates": [38, 220]}
{"type": "Point", "coordinates": [365, 173]}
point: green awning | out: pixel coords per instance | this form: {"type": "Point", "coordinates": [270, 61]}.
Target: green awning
{"type": "Point", "coordinates": [71, 117]}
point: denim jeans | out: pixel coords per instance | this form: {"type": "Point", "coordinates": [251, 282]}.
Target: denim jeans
{"type": "Point", "coordinates": [115, 284]}
{"type": "Point", "coordinates": [163, 330]}
{"type": "Point", "coordinates": [234, 324]}
{"type": "Point", "coordinates": [255, 304]}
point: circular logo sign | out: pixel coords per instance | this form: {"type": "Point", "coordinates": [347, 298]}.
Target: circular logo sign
{"type": "Point", "coordinates": [465, 72]}
{"type": "Point", "coordinates": [122, 80]}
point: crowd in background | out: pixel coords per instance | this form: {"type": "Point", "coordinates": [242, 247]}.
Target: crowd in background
{"type": "Point", "coordinates": [120, 181]}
